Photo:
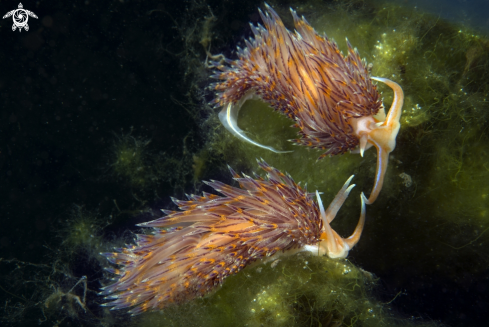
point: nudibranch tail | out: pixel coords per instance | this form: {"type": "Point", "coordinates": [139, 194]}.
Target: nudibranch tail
{"type": "Point", "coordinates": [217, 236]}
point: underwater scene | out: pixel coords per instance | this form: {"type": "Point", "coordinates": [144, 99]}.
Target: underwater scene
{"type": "Point", "coordinates": [244, 163]}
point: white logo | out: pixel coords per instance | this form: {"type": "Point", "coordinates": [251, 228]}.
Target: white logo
{"type": "Point", "coordinates": [20, 17]}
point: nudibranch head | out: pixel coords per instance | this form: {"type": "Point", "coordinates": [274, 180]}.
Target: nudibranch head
{"type": "Point", "coordinates": [217, 236]}
{"type": "Point", "coordinates": [305, 76]}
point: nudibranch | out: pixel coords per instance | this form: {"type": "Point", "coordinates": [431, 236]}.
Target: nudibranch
{"type": "Point", "coordinates": [192, 251]}
{"type": "Point", "coordinates": [305, 76]}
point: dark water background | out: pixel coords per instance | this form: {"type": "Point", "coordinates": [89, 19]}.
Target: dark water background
{"type": "Point", "coordinates": [89, 71]}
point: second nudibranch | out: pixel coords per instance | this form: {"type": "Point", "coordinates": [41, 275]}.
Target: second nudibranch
{"type": "Point", "coordinates": [305, 76]}
{"type": "Point", "coordinates": [215, 236]}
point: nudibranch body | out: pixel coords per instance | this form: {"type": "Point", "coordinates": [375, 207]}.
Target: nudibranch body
{"type": "Point", "coordinates": [305, 76]}
{"type": "Point", "coordinates": [218, 236]}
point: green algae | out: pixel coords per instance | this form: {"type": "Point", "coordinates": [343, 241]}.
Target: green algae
{"type": "Point", "coordinates": [130, 160]}
{"type": "Point", "coordinates": [301, 290]}
{"type": "Point", "coordinates": [83, 231]}
{"type": "Point", "coordinates": [134, 163]}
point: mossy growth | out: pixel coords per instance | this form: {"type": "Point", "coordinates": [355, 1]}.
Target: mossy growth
{"type": "Point", "coordinates": [83, 231]}
{"type": "Point", "coordinates": [48, 294]}
{"type": "Point", "coordinates": [130, 160]}
{"type": "Point", "coordinates": [301, 290]}
{"type": "Point", "coordinates": [137, 165]}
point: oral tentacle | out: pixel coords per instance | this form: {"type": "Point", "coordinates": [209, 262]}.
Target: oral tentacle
{"type": "Point", "coordinates": [338, 201]}
{"type": "Point", "coordinates": [328, 233]}
{"type": "Point", "coordinates": [334, 245]}
{"type": "Point", "coordinates": [383, 137]}
{"type": "Point", "coordinates": [355, 237]}
{"type": "Point", "coordinates": [394, 114]}
{"type": "Point", "coordinates": [382, 161]}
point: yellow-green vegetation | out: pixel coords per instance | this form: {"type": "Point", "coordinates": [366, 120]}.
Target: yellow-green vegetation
{"type": "Point", "coordinates": [135, 164]}
{"type": "Point", "coordinates": [83, 231]}
{"type": "Point", "coordinates": [301, 290]}
{"type": "Point", "coordinates": [50, 292]}
{"type": "Point", "coordinates": [130, 160]}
